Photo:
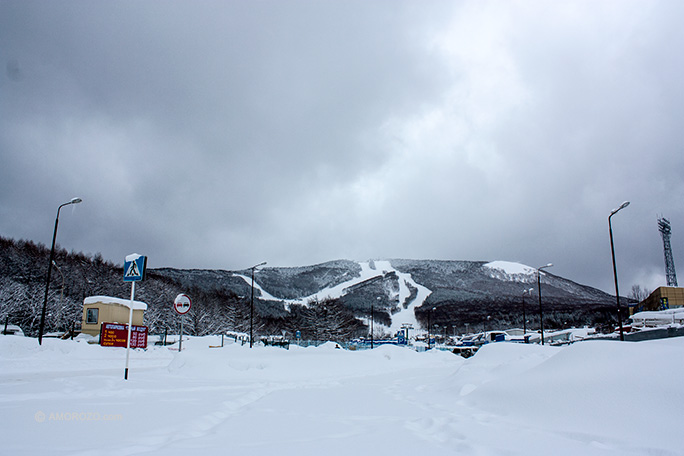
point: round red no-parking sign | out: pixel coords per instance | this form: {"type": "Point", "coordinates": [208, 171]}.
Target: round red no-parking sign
{"type": "Point", "coordinates": [182, 304]}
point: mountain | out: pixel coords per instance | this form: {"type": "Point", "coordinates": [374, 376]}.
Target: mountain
{"type": "Point", "coordinates": [400, 291]}
{"type": "Point", "coordinates": [455, 295]}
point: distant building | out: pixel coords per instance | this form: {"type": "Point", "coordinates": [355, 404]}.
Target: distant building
{"type": "Point", "coordinates": [105, 309]}
{"type": "Point", "coordinates": [662, 298]}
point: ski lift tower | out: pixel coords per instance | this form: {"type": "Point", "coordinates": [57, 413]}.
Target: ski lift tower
{"type": "Point", "coordinates": [665, 232]}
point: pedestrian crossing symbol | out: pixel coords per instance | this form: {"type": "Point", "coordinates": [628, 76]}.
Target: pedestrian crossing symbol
{"type": "Point", "coordinates": [134, 268]}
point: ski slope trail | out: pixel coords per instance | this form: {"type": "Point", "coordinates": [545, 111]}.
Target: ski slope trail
{"type": "Point", "coordinates": [369, 270]}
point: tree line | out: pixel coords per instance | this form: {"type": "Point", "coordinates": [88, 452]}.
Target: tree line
{"type": "Point", "coordinates": [23, 271]}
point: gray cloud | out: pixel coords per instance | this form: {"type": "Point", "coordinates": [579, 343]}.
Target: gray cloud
{"type": "Point", "coordinates": [220, 134]}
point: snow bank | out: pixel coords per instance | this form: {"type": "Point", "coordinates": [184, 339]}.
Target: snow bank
{"type": "Point", "coordinates": [590, 398]}
{"type": "Point", "coordinates": [598, 394]}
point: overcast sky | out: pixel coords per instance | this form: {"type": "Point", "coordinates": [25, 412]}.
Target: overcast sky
{"type": "Point", "coordinates": [220, 134]}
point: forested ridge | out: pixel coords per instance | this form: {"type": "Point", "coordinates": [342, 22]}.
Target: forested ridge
{"type": "Point", "coordinates": [464, 296]}
{"type": "Point", "coordinates": [23, 271]}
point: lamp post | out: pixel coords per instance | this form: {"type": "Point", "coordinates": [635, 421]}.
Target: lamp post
{"type": "Point", "coordinates": [371, 328]}
{"type": "Point", "coordinates": [528, 291]}
{"type": "Point", "coordinates": [52, 257]}
{"type": "Point", "coordinates": [429, 315]}
{"type": "Point", "coordinates": [612, 251]}
{"type": "Point", "coordinates": [541, 314]}
{"type": "Point", "coordinates": [251, 311]}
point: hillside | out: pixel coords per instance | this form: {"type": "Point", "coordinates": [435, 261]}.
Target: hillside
{"type": "Point", "coordinates": [401, 290]}
{"type": "Point", "coordinates": [396, 291]}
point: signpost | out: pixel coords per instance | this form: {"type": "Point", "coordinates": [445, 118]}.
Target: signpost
{"type": "Point", "coordinates": [182, 305]}
{"type": "Point", "coordinates": [134, 268]}
{"type": "Point", "coordinates": [134, 271]}
{"type": "Point", "coordinates": [115, 335]}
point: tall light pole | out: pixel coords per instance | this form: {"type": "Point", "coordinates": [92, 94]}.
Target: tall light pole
{"type": "Point", "coordinates": [541, 313]}
{"type": "Point", "coordinates": [612, 251]}
{"type": "Point", "coordinates": [529, 292]}
{"type": "Point", "coordinates": [52, 258]}
{"type": "Point", "coordinates": [429, 315]}
{"type": "Point", "coordinates": [251, 312]}
{"type": "Point", "coordinates": [371, 328]}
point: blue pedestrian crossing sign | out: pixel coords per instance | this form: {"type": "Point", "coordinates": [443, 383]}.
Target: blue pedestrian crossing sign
{"type": "Point", "coordinates": [134, 268]}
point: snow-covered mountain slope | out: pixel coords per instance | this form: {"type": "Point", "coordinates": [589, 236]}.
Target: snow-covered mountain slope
{"type": "Point", "coordinates": [396, 288]}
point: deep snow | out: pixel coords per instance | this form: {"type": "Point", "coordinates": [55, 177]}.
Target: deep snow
{"type": "Point", "coordinates": [589, 398]}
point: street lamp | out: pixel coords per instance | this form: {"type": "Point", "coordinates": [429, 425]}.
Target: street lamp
{"type": "Point", "coordinates": [612, 251]}
{"type": "Point", "coordinates": [373, 320]}
{"type": "Point", "coordinates": [428, 327]}
{"type": "Point", "coordinates": [529, 292]}
{"type": "Point", "coordinates": [541, 314]}
{"type": "Point", "coordinates": [52, 258]}
{"type": "Point", "coordinates": [251, 312]}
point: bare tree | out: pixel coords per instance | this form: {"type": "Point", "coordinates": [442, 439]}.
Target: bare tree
{"type": "Point", "coordinates": [638, 293]}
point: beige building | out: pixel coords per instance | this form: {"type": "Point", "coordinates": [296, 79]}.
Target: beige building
{"type": "Point", "coordinates": [105, 309]}
{"type": "Point", "coordinates": [662, 298]}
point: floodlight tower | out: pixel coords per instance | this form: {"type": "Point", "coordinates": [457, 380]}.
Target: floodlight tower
{"type": "Point", "coordinates": [665, 232]}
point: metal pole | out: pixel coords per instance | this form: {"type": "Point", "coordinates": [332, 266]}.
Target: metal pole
{"type": "Point", "coordinates": [429, 318]}
{"type": "Point", "coordinates": [617, 292]}
{"type": "Point", "coordinates": [612, 251]}
{"type": "Point", "coordinates": [541, 313]}
{"type": "Point", "coordinates": [47, 283]}
{"type": "Point", "coordinates": [180, 340]}
{"type": "Point", "coordinates": [372, 319]}
{"type": "Point", "coordinates": [251, 314]}
{"type": "Point", "coordinates": [130, 324]}
{"type": "Point", "coordinates": [251, 311]}
{"type": "Point", "coordinates": [52, 257]}
{"type": "Point", "coordinates": [524, 323]}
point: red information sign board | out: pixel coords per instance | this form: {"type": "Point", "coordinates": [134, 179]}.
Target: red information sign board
{"type": "Point", "coordinates": [115, 335]}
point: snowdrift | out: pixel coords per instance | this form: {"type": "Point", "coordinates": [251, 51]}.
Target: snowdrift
{"type": "Point", "coordinates": [590, 398]}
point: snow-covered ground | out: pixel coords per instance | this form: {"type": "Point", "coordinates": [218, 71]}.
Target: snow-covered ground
{"type": "Point", "coordinates": [589, 398]}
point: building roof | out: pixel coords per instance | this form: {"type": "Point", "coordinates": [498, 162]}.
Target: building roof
{"type": "Point", "coordinates": [137, 305]}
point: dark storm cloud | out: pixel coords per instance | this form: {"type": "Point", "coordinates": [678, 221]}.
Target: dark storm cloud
{"type": "Point", "coordinates": [220, 134]}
